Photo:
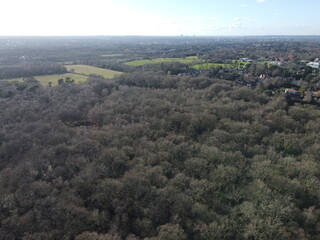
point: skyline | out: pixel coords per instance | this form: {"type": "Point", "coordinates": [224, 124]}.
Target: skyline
{"type": "Point", "coordinates": [159, 18]}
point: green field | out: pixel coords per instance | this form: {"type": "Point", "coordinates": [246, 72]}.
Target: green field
{"type": "Point", "coordinates": [54, 78]}
{"type": "Point", "coordinates": [79, 73]}
{"type": "Point", "coordinates": [89, 70]}
{"type": "Point", "coordinates": [186, 60]}
{"type": "Point", "coordinates": [234, 64]}
{"type": "Point", "coordinates": [208, 66]}
{"type": "Point", "coordinates": [239, 64]}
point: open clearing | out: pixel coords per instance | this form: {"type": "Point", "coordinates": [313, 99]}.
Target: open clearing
{"type": "Point", "coordinates": [234, 64]}
{"type": "Point", "coordinates": [44, 80]}
{"type": "Point", "coordinates": [186, 60]}
{"type": "Point", "coordinates": [79, 73]}
{"type": "Point", "coordinates": [208, 66]}
{"type": "Point", "coordinates": [89, 70]}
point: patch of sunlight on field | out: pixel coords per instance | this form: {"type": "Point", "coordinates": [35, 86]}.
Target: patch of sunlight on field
{"type": "Point", "coordinates": [234, 64]}
{"type": "Point", "coordinates": [208, 66]}
{"type": "Point", "coordinates": [46, 79]}
{"type": "Point", "coordinates": [186, 60]}
{"type": "Point", "coordinates": [89, 70]}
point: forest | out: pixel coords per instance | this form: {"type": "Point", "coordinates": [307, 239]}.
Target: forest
{"type": "Point", "coordinates": [161, 151]}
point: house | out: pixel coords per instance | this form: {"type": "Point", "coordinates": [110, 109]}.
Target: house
{"type": "Point", "coordinates": [262, 76]}
{"type": "Point", "coordinates": [316, 94]}
{"type": "Point", "coordinates": [245, 60]}
{"type": "Point", "coordinates": [292, 93]}
{"type": "Point", "coordinates": [278, 63]}
{"type": "Point", "coordinates": [314, 64]}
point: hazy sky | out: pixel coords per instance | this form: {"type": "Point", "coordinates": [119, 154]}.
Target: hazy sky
{"type": "Point", "coordinates": [159, 17]}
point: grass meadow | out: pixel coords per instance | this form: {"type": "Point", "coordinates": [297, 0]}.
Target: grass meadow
{"type": "Point", "coordinates": [89, 70]}
{"type": "Point", "coordinates": [46, 79]}
{"type": "Point", "coordinates": [79, 73]}
{"type": "Point", "coordinates": [186, 60]}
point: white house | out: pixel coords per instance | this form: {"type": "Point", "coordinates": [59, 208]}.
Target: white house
{"type": "Point", "coordinates": [313, 64]}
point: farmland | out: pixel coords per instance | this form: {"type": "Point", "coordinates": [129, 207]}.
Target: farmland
{"type": "Point", "coordinates": [186, 60]}
{"type": "Point", "coordinates": [46, 79]}
{"type": "Point", "coordinates": [78, 73]}
{"type": "Point", "coordinates": [89, 70]}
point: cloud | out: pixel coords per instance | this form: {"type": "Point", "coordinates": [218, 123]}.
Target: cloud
{"type": "Point", "coordinates": [243, 5]}
{"type": "Point", "coordinates": [245, 19]}
{"type": "Point", "coordinates": [250, 20]}
{"type": "Point", "coordinates": [236, 19]}
{"type": "Point", "coordinates": [261, 1]}
{"type": "Point", "coordinates": [236, 25]}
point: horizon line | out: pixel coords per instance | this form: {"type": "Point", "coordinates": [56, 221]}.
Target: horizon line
{"type": "Point", "coordinates": [180, 35]}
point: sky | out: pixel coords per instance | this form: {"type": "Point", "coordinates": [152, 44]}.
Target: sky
{"type": "Point", "coordinates": [159, 17]}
